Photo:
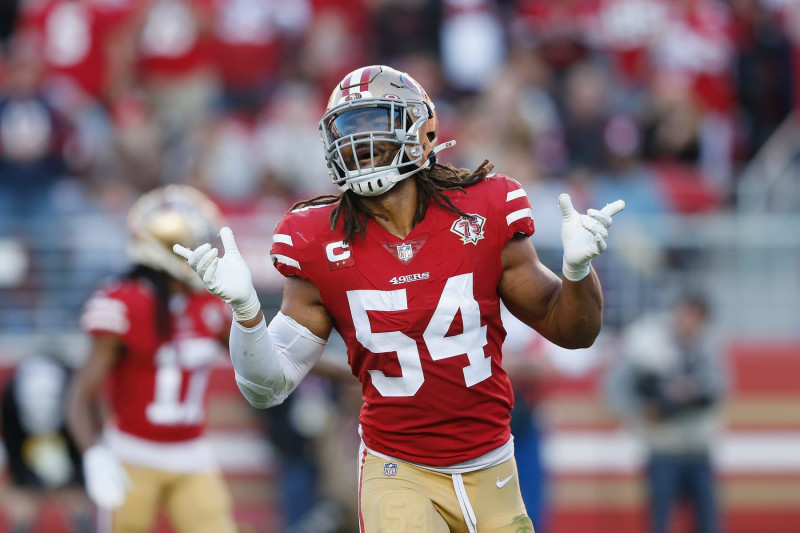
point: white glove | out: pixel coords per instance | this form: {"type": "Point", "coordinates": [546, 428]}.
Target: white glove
{"type": "Point", "coordinates": [227, 277]}
{"type": "Point", "coordinates": [105, 477]}
{"type": "Point", "coordinates": [584, 236]}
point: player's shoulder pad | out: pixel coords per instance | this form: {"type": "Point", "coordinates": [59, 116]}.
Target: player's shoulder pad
{"type": "Point", "coordinates": [510, 199]}
{"type": "Point", "coordinates": [295, 235]}
{"type": "Point", "coordinates": [108, 309]}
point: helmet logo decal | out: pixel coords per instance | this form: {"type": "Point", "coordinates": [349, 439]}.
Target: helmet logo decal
{"type": "Point", "coordinates": [352, 96]}
{"type": "Point", "coordinates": [470, 229]}
{"type": "Point", "coordinates": [360, 78]}
{"type": "Point", "coordinates": [411, 84]}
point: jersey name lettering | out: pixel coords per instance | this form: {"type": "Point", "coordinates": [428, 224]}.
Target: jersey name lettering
{"type": "Point", "coordinates": [397, 280]}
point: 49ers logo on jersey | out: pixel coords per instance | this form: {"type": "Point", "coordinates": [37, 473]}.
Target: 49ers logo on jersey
{"type": "Point", "coordinates": [470, 229]}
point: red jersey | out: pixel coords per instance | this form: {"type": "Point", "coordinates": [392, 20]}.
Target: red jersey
{"type": "Point", "coordinates": [158, 386]}
{"type": "Point", "coordinates": [420, 317]}
{"type": "Point", "coordinates": [75, 37]}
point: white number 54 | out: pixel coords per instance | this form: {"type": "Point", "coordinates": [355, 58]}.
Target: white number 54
{"type": "Point", "coordinates": [457, 295]}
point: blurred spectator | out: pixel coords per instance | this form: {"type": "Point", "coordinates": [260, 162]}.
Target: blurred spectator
{"type": "Point", "coordinates": [472, 43]}
{"type": "Point", "coordinates": [335, 42]}
{"type": "Point", "coordinates": [406, 28]}
{"type": "Point", "coordinates": [556, 29]}
{"type": "Point", "coordinates": [229, 167]}
{"type": "Point", "coordinates": [586, 108]}
{"type": "Point", "coordinates": [668, 384]}
{"type": "Point", "coordinates": [9, 12]}
{"type": "Point", "coordinates": [287, 131]}
{"type": "Point", "coordinates": [33, 141]}
{"type": "Point", "coordinates": [156, 339]}
{"type": "Point", "coordinates": [694, 44]}
{"type": "Point", "coordinates": [136, 145]}
{"type": "Point", "coordinates": [253, 40]}
{"type": "Point", "coordinates": [764, 78]}
{"type": "Point", "coordinates": [176, 67]}
{"type": "Point", "coordinates": [43, 461]}
{"type": "Point", "coordinates": [81, 43]}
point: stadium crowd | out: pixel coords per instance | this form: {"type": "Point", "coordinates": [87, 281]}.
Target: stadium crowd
{"type": "Point", "coordinates": [656, 101]}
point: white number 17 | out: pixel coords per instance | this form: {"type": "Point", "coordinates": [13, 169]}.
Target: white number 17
{"type": "Point", "coordinates": [457, 295]}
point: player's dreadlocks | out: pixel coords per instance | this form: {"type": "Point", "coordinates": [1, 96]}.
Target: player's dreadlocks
{"type": "Point", "coordinates": [432, 183]}
{"type": "Point", "coordinates": [159, 281]}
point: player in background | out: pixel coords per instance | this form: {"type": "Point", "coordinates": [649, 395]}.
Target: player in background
{"type": "Point", "coordinates": [409, 264]}
{"type": "Point", "coordinates": [43, 464]}
{"type": "Point", "coordinates": [155, 337]}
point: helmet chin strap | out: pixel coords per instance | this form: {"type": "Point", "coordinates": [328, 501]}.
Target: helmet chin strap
{"type": "Point", "coordinates": [439, 148]}
{"type": "Point", "coordinates": [444, 146]}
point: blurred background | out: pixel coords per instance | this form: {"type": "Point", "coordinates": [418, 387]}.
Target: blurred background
{"type": "Point", "coordinates": [683, 108]}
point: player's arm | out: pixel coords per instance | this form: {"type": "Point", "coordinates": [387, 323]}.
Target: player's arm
{"type": "Point", "coordinates": [566, 311]}
{"type": "Point", "coordinates": [269, 360]}
{"type": "Point", "coordinates": [85, 388]}
{"type": "Point", "coordinates": [106, 480]}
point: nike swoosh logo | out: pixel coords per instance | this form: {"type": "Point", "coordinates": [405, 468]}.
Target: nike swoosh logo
{"type": "Point", "coordinates": [501, 484]}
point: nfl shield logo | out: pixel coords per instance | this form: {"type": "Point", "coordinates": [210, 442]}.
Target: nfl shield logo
{"type": "Point", "coordinates": [404, 252]}
{"type": "Point", "coordinates": [389, 469]}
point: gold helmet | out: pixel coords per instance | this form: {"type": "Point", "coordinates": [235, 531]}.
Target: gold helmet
{"type": "Point", "coordinates": [378, 105]}
{"type": "Point", "coordinates": [175, 214]}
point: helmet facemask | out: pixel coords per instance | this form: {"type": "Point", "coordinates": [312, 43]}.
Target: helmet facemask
{"type": "Point", "coordinates": [372, 144]}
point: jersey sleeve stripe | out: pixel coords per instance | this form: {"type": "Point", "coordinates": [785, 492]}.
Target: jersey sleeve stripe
{"type": "Point", "coordinates": [98, 321]}
{"type": "Point", "coordinates": [282, 238]}
{"type": "Point", "coordinates": [520, 213]}
{"type": "Point", "coordinates": [513, 195]}
{"type": "Point", "coordinates": [106, 305]}
{"type": "Point", "coordinates": [306, 208]}
{"type": "Point", "coordinates": [285, 260]}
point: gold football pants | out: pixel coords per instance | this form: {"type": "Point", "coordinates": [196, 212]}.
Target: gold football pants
{"type": "Point", "coordinates": [193, 503]}
{"type": "Point", "coordinates": [398, 497]}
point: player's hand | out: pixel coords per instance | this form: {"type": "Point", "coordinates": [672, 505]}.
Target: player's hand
{"type": "Point", "coordinates": [584, 236]}
{"type": "Point", "coordinates": [227, 277]}
{"type": "Point", "coordinates": [105, 477]}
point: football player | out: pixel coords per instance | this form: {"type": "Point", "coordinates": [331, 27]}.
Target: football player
{"type": "Point", "coordinates": [155, 336]}
{"type": "Point", "coordinates": [409, 263]}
